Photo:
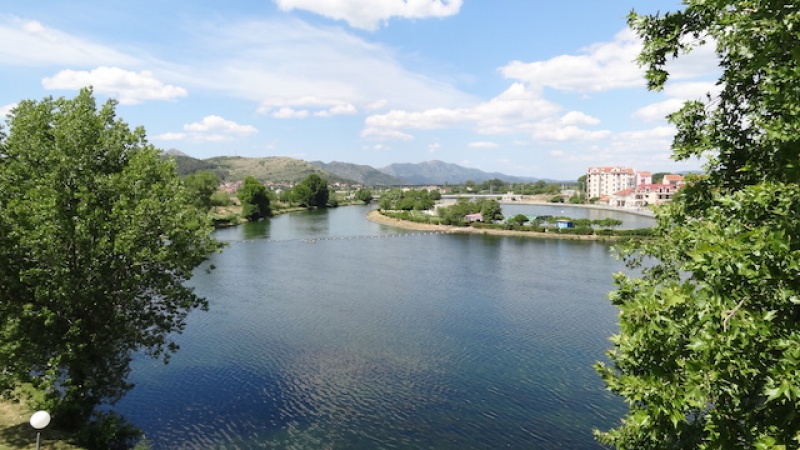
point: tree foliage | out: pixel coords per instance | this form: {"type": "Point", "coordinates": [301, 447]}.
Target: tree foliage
{"type": "Point", "coordinates": [97, 237]}
{"type": "Point", "coordinates": [408, 200]}
{"type": "Point", "coordinates": [254, 198]}
{"type": "Point", "coordinates": [312, 192]}
{"type": "Point", "coordinates": [454, 214]}
{"type": "Point", "coordinates": [364, 195]}
{"type": "Point", "coordinates": [709, 345]}
{"type": "Point", "coordinates": [202, 185]}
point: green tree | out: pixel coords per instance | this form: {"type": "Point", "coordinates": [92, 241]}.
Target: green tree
{"type": "Point", "coordinates": [202, 185]}
{"type": "Point", "coordinates": [582, 184]}
{"type": "Point", "coordinates": [312, 192]}
{"type": "Point", "coordinates": [97, 237]}
{"type": "Point", "coordinates": [518, 219]}
{"type": "Point", "coordinates": [254, 198]}
{"type": "Point", "coordinates": [491, 210]}
{"type": "Point", "coordinates": [709, 345]}
{"type": "Point", "coordinates": [364, 195]}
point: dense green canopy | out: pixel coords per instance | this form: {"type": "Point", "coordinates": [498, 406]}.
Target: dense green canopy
{"type": "Point", "coordinates": [97, 237]}
{"type": "Point", "coordinates": [709, 346]}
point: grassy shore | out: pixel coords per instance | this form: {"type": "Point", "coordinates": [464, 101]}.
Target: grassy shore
{"type": "Point", "coordinates": [377, 217]}
{"type": "Point", "coordinates": [16, 432]}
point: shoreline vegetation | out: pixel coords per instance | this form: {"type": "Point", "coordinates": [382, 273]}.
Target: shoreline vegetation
{"type": "Point", "coordinates": [378, 217]}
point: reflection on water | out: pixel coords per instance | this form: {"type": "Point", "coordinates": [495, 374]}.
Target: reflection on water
{"type": "Point", "coordinates": [380, 338]}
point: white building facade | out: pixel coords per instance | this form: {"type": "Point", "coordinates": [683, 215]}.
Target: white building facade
{"type": "Point", "coordinates": [604, 181]}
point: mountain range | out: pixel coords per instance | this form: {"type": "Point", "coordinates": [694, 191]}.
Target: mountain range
{"type": "Point", "coordinates": [291, 170]}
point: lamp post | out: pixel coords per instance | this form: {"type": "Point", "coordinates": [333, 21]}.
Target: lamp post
{"type": "Point", "coordinates": [39, 420]}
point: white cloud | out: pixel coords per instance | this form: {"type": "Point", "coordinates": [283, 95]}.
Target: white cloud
{"type": "Point", "coordinates": [5, 110]}
{"type": "Point", "coordinates": [385, 134]}
{"type": "Point", "coordinates": [578, 118]}
{"type": "Point", "coordinates": [483, 144]}
{"type": "Point", "coordinates": [692, 90]}
{"type": "Point", "coordinates": [338, 110]}
{"type": "Point", "coordinates": [423, 120]}
{"type": "Point", "coordinates": [379, 104]}
{"type": "Point", "coordinates": [290, 113]}
{"type": "Point", "coordinates": [510, 111]}
{"type": "Point", "coordinates": [290, 63]}
{"type": "Point", "coordinates": [369, 14]}
{"type": "Point", "coordinates": [599, 67]}
{"type": "Point", "coordinates": [607, 65]}
{"type": "Point", "coordinates": [30, 43]}
{"type": "Point", "coordinates": [211, 129]}
{"type": "Point", "coordinates": [658, 111]}
{"type": "Point", "coordinates": [170, 137]}
{"type": "Point", "coordinates": [433, 148]}
{"type": "Point", "coordinates": [658, 133]}
{"type": "Point", "coordinates": [128, 87]}
{"type": "Point", "coordinates": [218, 124]}
{"type": "Point", "coordinates": [545, 131]}
{"type": "Point", "coordinates": [678, 93]}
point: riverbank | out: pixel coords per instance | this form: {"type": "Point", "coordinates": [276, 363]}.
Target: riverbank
{"type": "Point", "coordinates": [377, 217]}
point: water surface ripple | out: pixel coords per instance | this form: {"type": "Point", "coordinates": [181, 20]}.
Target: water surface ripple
{"type": "Point", "coordinates": [418, 341]}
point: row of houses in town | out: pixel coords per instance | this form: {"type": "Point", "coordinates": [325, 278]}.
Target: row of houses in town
{"type": "Point", "coordinates": [624, 187]}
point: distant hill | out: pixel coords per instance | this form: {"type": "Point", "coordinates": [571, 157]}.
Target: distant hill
{"type": "Point", "coordinates": [362, 174]}
{"type": "Point", "coordinates": [438, 172]}
{"type": "Point", "coordinates": [273, 168]}
{"type": "Point", "coordinates": [187, 165]}
{"type": "Point", "coordinates": [290, 170]}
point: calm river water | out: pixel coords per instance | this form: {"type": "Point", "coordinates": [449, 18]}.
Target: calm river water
{"type": "Point", "coordinates": [327, 331]}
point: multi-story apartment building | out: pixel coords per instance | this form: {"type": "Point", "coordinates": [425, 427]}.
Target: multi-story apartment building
{"type": "Point", "coordinates": [604, 181]}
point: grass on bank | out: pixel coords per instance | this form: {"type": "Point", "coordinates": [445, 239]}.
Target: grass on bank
{"type": "Point", "coordinates": [16, 432]}
{"type": "Point", "coordinates": [550, 228]}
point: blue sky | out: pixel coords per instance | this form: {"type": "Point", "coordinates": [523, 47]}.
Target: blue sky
{"type": "Point", "coordinates": [522, 87]}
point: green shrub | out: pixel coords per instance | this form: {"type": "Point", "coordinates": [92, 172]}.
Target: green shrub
{"type": "Point", "coordinates": [221, 198]}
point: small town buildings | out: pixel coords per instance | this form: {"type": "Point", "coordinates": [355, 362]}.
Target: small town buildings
{"type": "Point", "coordinates": [602, 181]}
{"type": "Point", "coordinates": [644, 196]}
{"type": "Point", "coordinates": [624, 187]}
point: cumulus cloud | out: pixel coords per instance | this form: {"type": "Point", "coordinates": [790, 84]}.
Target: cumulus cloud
{"type": "Point", "coordinates": [217, 123]}
{"type": "Point", "coordinates": [127, 86]}
{"type": "Point", "coordinates": [578, 118]}
{"type": "Point", "coordinates": [658, 111]}
{"type": "Point", "coordinates": [5, 110]}
{"type": "Point", "coordinates": [370, 14]}
{"type": "Point", "coordinates": [599, 67]}
{"type": "Point", "coordinates": [211, 128]}
{"type": "Point", "coordinates": [170, 137]}
{"type": "Point", "coordinates": [385, 134]}
{"type": "Point", "coordinates": [34, 44]}
{"type": "Point", "coordinates": [545, 131]}
{"type": "Point", "coordinates": [678, 93]}
{"type": "Point", "coordinates": [290, 113]}
{"type": "Point", "coordinates": [607, 65]}
{"type": "Point", "coordinates": [510, 111]}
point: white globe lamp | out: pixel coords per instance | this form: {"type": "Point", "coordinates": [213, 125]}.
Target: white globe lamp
{"type": "Point", "coordinates": [39, 420]}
